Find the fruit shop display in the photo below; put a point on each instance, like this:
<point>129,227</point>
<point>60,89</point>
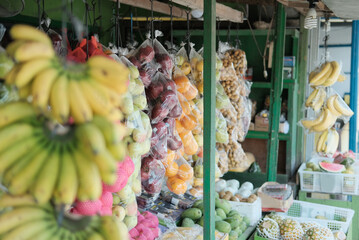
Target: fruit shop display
<point>332,167</point>
<point>231,190</point>
<point>327,105</point>
<point>25,218</point>
<point>77,89</point>
<point>274,226</point>
<point>227,220</point>
<point>155,70</point>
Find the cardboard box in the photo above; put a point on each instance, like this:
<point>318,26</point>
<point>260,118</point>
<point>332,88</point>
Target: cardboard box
<point>261,124</point>
<point>251,126</point>
<point>289,61</point>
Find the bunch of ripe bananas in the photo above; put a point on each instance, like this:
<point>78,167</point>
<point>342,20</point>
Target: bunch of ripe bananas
<point>23,218</point>
<point>80,90</point>
<point>66,164</point>
<point>328,142</point>
<point>329,74</point>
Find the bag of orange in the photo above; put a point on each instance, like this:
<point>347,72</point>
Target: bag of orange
<point>177,185</point>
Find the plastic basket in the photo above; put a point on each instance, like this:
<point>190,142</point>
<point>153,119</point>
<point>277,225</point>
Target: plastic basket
<point>332,217</point>
<point>335,183</point>
<point>251,210</point>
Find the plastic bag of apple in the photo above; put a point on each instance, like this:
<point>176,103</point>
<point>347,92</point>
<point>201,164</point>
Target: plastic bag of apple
<point>147,227</point>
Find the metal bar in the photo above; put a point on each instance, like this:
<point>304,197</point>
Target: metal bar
<point>302,80</point>
<point>209,55</point>
<point>276,92</point>
<point>354,66</point>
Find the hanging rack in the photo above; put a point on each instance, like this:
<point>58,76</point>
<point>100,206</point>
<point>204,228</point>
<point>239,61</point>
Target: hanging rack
<point>152,28</point>
<point>170,4</point>
<point>188,34</point>
<point>326,37</point>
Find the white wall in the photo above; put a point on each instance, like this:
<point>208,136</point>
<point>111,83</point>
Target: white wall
<point>339,36</point>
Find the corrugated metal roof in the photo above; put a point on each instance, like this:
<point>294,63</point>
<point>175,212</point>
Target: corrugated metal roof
<point>348,9</point>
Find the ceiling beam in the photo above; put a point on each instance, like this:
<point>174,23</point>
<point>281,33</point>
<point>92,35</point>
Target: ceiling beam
<point>157,7</point>
<point>251,2</point>
<point>223,12</point>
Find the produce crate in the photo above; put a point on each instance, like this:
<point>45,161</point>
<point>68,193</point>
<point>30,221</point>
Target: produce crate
<point>252,210</point>
<point>336,183</point>
<point>256,237</point>
<point>335,218</point>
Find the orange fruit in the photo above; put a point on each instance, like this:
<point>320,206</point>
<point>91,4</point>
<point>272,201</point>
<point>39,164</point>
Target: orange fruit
<point>186,108</point>
<point>191,92</point>
<point>189,122</point>
<point>199,66</point>
<point>172,169</point>
<point>190,146</point>
<point>200,87</point>
<point>176,185</point>
<point>185,172</point>
<point>182,82</point>
<point>180,152</point>
<point>185,136</point>
<point>179,126</point>
<point>186,68</point>
<point>170,156</point>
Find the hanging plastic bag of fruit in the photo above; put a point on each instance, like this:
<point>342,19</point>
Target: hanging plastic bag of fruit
<point>179,173</point>
<point>222,135</point>
<point>245,119</point>
<point>222,160</point>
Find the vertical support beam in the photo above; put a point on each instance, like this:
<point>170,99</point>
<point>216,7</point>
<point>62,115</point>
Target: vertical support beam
<point>302,81</point>
<point>209,54</point>
<point>276,92</point>
<point>354,86</point>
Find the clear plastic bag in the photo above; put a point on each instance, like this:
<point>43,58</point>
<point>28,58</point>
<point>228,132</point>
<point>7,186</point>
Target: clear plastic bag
<point>221,128</point>
<point>189,142</point>
<point>196,62</point>
<point>179,173</point>
<point>152,173</point>
<point>223,160</point>
<point>237,157</point>
<point>326,74</point>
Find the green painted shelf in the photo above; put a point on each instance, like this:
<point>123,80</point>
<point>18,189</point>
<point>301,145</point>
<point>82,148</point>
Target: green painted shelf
<point>265,135</point>
<point>286,84</point>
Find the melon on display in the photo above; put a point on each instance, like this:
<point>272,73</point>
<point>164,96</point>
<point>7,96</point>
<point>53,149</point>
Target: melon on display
<point>332,167</point>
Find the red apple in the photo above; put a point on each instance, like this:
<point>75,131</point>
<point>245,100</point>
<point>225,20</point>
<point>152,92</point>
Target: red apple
<point>176,111</point>
<point>174,143</point>
<point>145,77</point>
<point>169,99</point>
<point>146,54</point>
<point>154,90</point>
<point>134,61</point>
<point>158,113</point>
<point>159,129</point>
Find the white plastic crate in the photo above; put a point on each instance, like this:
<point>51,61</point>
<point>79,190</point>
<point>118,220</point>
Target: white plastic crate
<point>335,218</point>
<point>325,182</point>
<point>252,210</point>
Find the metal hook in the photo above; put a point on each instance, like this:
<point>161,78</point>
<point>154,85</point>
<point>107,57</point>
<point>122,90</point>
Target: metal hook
<point>188,31</point>
<point>152,28</point>
<point>229,32</point>
<point>326,37</point>
<point>170,4</point>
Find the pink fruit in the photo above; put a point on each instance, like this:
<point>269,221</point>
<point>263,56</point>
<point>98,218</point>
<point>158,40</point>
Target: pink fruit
<point>176,111</point>
<point>154,90</point>
<point>155,231</point>
<point>140,218</point>
<point>106,211</point>
<point>134,233</point>
<point>106,199</point>
<point>148,233</point>
<point>127,165</point>
<point>158,113</point>
<point>88,208</point>
<point>146,54</point>
<point>140,227</point>
<point>147,223</point>
<point>121,181</point>
<point>141,237</point>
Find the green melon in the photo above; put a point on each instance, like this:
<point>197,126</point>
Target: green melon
<point>331,167</point>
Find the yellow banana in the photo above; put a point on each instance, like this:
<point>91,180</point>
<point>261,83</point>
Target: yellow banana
<point>79,107</point>
<point>90,183</point>
<point>45,183</point>
<point>67,184</point>
<point>107,166</point>
<point>322,80</point>
<point>19,216</point>
<point>118,151</point>
<point>22,181</point>
<point>25,92</point>
<point>7,200</point>
<point>320,100</point>
<point>115,115</point>
<point>342,107</point>
<point>332,142</point>
<point>92,138</point>
<point>59,99</point>
<point>14,133</point>
<point>28,70</point>
<point>13,153</point>
<point>15,111</point>
<point>321,141</point>
<point>110,80</point>
<point>13,46</point>
<point>27,230</point>
<point>328,120</point>
<point>98,102</point>
<point>311,97</point>
<point>114,98</point>
<point>11,75</point>
<point>32,50</point>
<point>41,88</point>
<point>47,234</point>
<point>318,77</point>
<point>111,67</point>
<point>310,123</point>
<point>25,32</point>
<point>341,78</point>
<point>334,75</point>
<point>330,105</point>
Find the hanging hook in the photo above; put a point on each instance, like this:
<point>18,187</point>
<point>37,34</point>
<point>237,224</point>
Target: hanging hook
<point>326,37</point>
<point>229,32</point>
<point>188,35</point>
<point>152,28</point>
<point>131,33</point>
<point>170,4</point>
